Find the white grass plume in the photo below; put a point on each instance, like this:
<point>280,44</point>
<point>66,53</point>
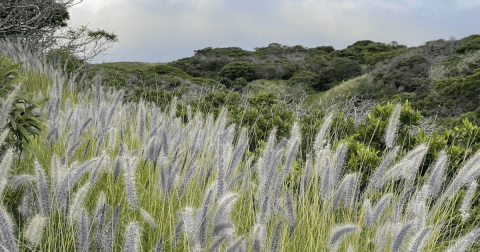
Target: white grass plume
<point>276,237</point>
<point>259,237</point>
<point>148,218</point>
<point>338,233</point>
<point>419,239</point>
<point>381,205</point>
<point>465,241</point>
<point>76,208</point>
<point>5,166</point>
<point>223,226</point>
<point>43,191</point>
<point>467,201</point>
<point>6,231</point>
<point>132,234</point>
<point>381,238</point>
<point>435,178</point>
<point>83,233</point>
<point>7,106</point>
<point>401,236</point>
<point>320,137</point>
<point>35,228</point>
<point>4,135</point>
<point>392,127</point>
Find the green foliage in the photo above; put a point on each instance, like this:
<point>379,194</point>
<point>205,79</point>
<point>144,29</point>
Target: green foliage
<point>406,74</point>
<point>469,44</point>
<point>339,69</point>
<point>24,121</point>
<point>236,70</point>
<point>280,69</point>
<point>65,59</point>
<point>455,95</point>
<point>369,52</point>
<point>307,78</point>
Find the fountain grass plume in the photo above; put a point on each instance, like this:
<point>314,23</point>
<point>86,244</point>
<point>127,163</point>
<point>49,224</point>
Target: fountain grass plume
<point>43,191</point>
<point>259,237</point>
<point>377,175</point>
<point>465,241</point>
<point>148,218</point>
<point>326,180</point>
<point>35,228</point>
<point>276,237</point>
<point>467,200</point>
<point>419,239</point>
<point>291,216</point>
<point>132,235</point>
<point>401,236</point>
<point>5,167</point>
<point>381,238</point>
<point>222,216</point>
<point>397,210</point>
<point>4,135</point>
<point>345,191</point>
<point>200,224</point>
<point>6,231</point>
<point>320,137</point>
<point>435,178</point>
<point>237,245</point>
<point>7,106</point>
<point>338,233</point>
<point>306,174</point>
<point>380,206</point>
<point>26,206</point>
<point>340,154</point>
<point>76,208</point>
<point>129,173</point>
<point>392,127</point>
<point>83,234</point>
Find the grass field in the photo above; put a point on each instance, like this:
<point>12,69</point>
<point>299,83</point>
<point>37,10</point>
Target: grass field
<point>115,176</point>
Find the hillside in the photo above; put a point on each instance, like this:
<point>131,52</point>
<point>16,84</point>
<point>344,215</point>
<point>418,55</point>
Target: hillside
<point>124,168</point>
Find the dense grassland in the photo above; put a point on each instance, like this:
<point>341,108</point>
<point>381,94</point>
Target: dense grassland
<point>112,173</point>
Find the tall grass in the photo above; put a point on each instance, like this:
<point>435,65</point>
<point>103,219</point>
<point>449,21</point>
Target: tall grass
<point>111,176</point>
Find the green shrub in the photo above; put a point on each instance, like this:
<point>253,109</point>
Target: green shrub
<point>338,70</point>
<point>65,59</point>
<point>469,44</point>
<point>236,70</point>
<point>307,78</point>
<point>24,121</point>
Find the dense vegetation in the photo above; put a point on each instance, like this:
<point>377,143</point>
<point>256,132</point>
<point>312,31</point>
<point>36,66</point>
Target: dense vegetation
<point>277,149</point>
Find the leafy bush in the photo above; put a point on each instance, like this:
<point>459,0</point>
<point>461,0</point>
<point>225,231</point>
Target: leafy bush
<point>66,60</point>
<point>469,44</point>
<point>236,70</point>
<point>307,78</point>
<point>407,74</point>
<point>280,69</point>
<point>24,120</point>
<point>338,70</point>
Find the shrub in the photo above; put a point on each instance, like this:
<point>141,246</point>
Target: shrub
<point>338,70</point>
<point>469,44</point>
<point>307,78</point>
<point>236,70</point>
<point>24,121</point>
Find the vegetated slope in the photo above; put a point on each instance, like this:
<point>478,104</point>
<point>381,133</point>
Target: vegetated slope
<point>130,176</point>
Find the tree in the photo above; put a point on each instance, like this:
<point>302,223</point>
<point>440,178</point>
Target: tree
<point>33,21</point>
<point>42,24</point>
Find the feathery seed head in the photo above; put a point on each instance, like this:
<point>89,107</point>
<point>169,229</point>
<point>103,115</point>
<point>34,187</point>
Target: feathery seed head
<point>35,228</point>
<point>338,233</point>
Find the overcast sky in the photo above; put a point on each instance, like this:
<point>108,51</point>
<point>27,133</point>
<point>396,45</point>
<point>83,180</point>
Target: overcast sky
<point>167,30</point>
